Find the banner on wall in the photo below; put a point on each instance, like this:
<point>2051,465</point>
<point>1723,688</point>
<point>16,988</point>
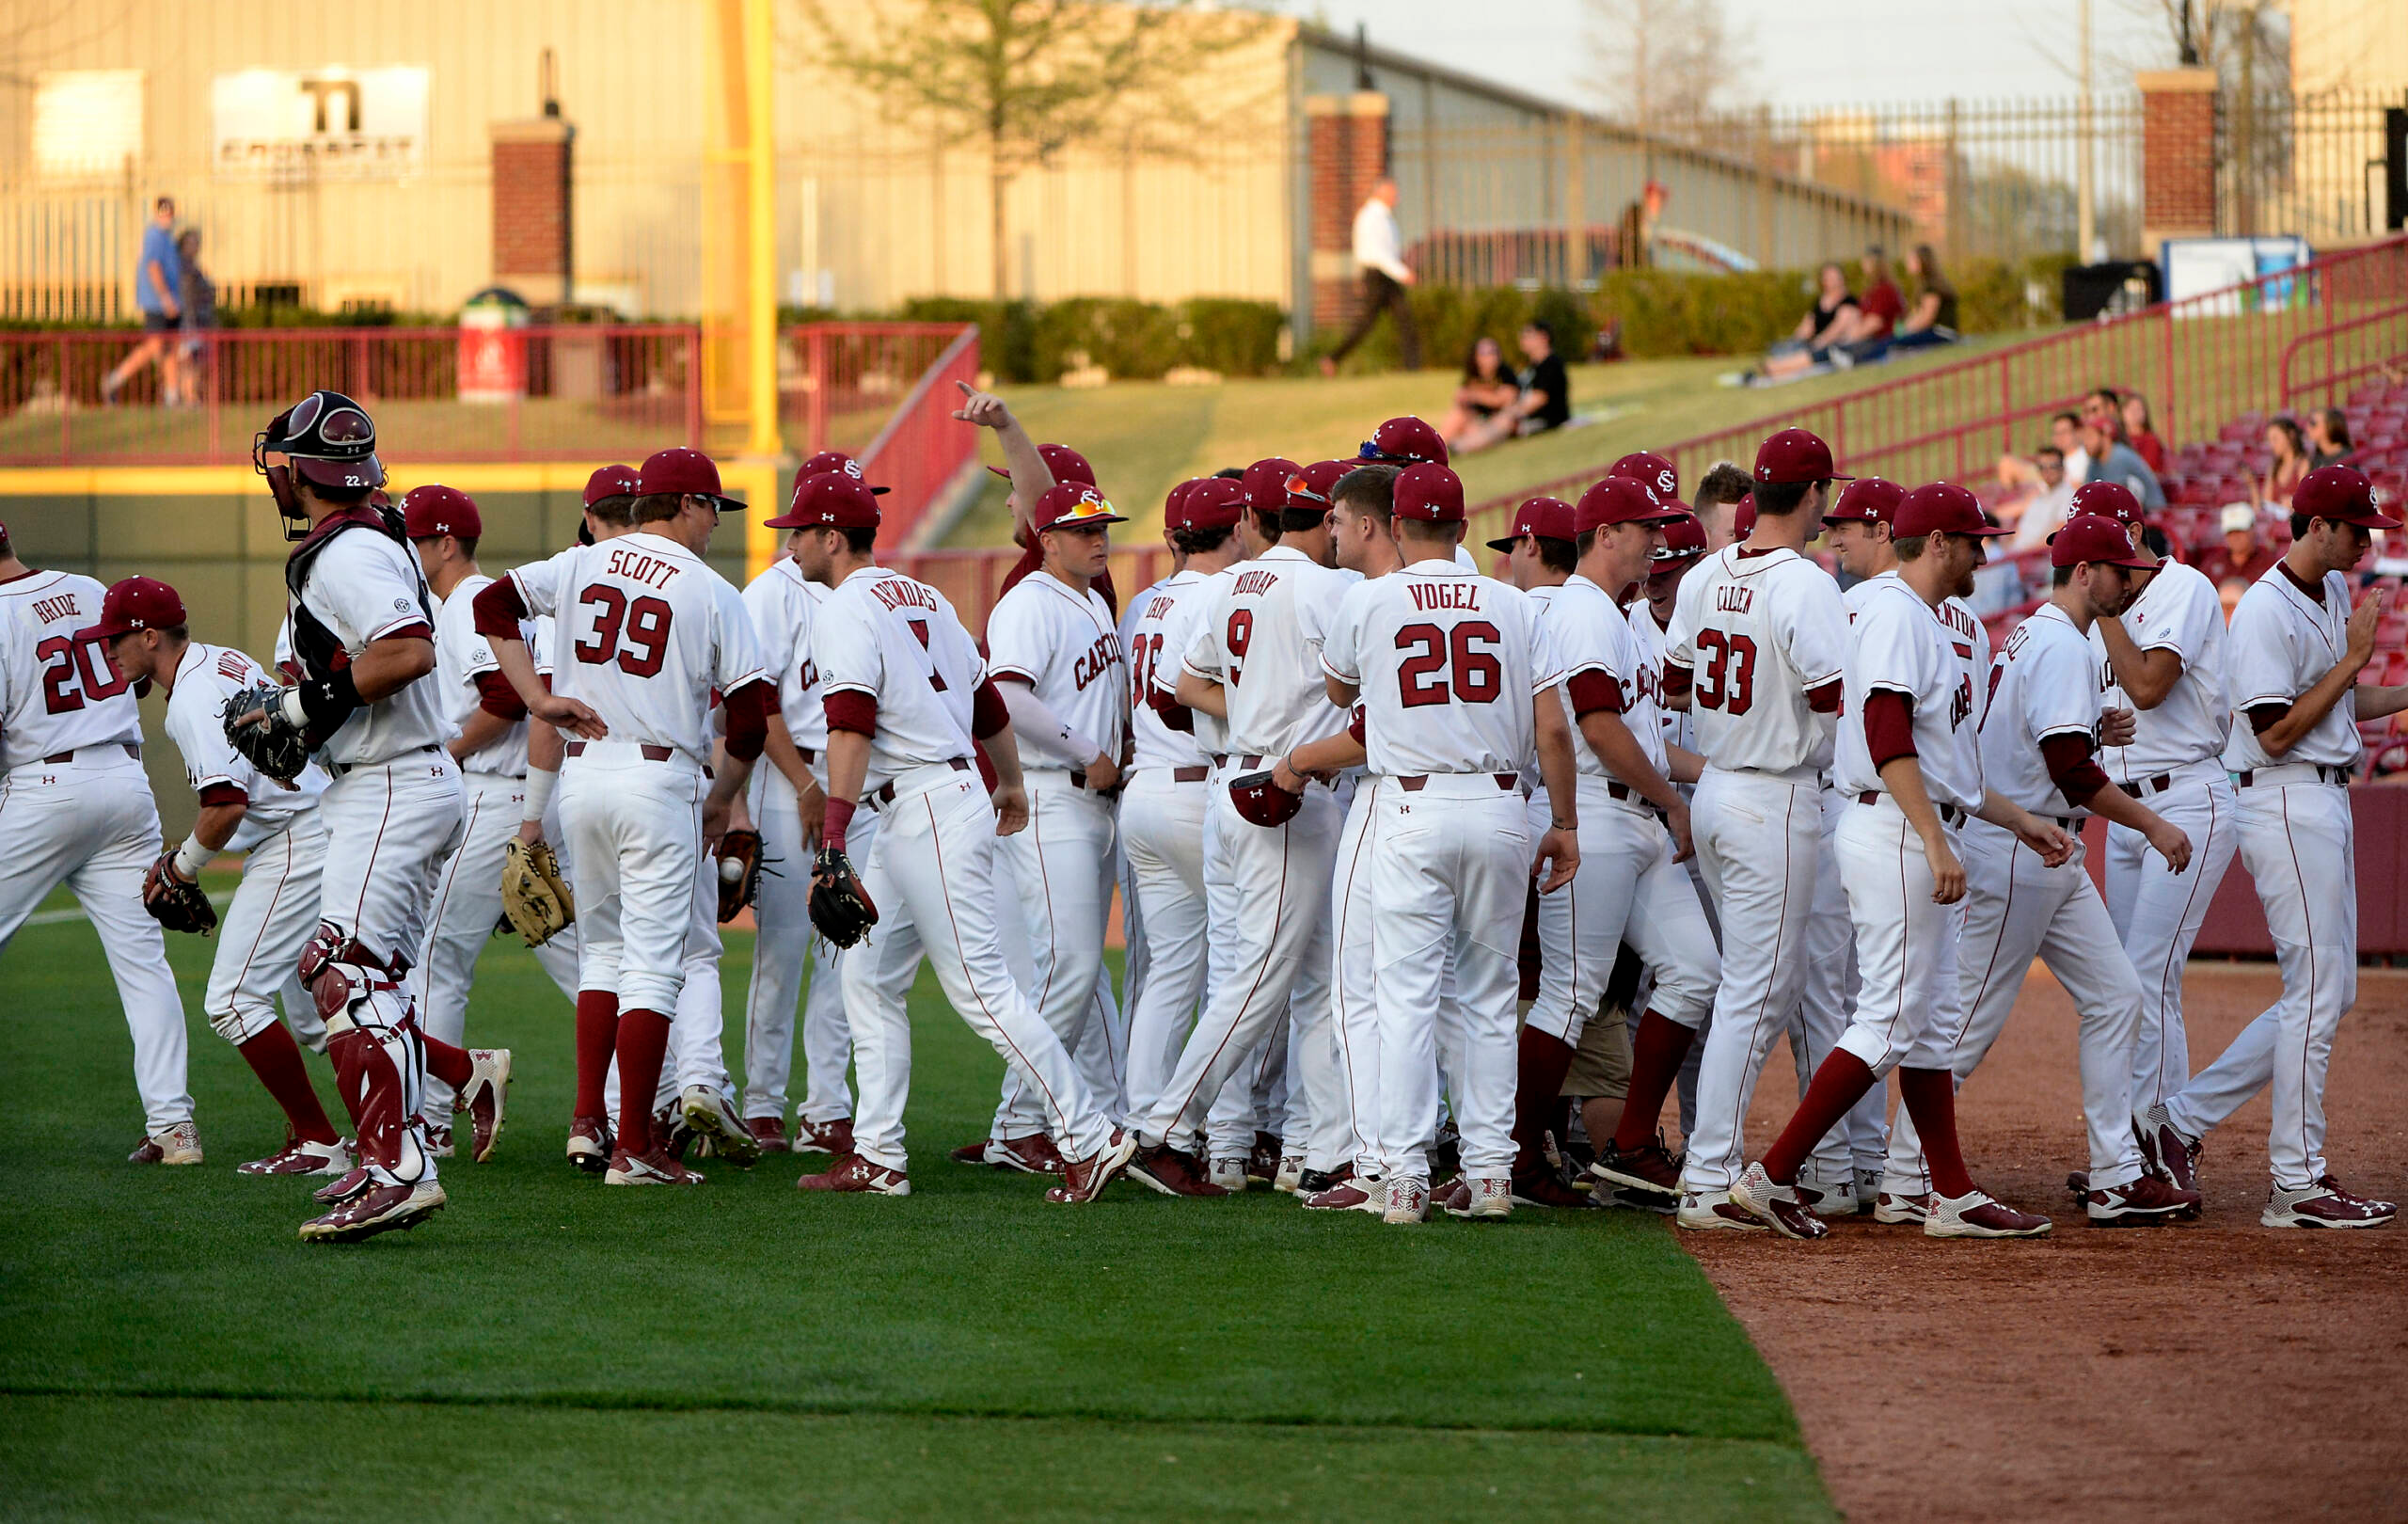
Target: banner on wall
<point>319,124</point>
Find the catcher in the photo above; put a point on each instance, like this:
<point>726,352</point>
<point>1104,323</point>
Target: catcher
<point>242,810</point>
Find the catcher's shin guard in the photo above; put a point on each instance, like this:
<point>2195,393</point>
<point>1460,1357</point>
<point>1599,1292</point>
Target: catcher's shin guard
<point>380,1061</point>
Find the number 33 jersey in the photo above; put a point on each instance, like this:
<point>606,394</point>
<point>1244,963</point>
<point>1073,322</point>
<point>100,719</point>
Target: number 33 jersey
<point>644,632</point>
<point>1446,662</point>
<point>1756,632</point>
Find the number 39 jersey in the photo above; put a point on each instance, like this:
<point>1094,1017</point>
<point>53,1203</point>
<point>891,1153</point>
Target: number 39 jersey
<point>1446,662</point>
<point>57,693</point>
<point>643,632</point>
<point>1756,631</point>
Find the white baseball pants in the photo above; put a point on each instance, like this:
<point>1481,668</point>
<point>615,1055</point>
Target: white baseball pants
<point>260,940</point>
<point>2017,907</point>
<point>932,876</point>
<point>1162,834</point>
<point>2157,913</point>
<point>699,1025</point>
<point>1862,1139</point>
<point>2297,841</point>
<point>1906,949</point>
<point>1628,889</point>
<point>91,825</point>
<point>784,938</point>
<point>1062,867</point>
<point>391,826</point>
<point>634,833</point>
<point>1451,866</point>
<point>1759,840</point>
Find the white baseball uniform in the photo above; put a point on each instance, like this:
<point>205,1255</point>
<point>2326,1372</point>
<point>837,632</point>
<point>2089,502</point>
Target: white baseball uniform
<point>2298,841</point>
<point>75,808</point>
<point>1059,646</point>
<point>1755,635</point>
<point>2175,766</point>
<point>932,871</point>
<point>2044,685</point>
<point>1446,663</point>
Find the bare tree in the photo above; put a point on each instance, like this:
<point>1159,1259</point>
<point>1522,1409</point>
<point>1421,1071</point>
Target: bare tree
<point>1662,66</point>
<point>1029,79</point>
<point>2247,43</point>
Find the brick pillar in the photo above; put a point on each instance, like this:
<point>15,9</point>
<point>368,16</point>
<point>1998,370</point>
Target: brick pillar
<point>1348,139</point>
<point>2177,155</point>
<point>532,184</point>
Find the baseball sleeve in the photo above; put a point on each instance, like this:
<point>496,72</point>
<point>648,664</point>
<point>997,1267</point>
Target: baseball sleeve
<point>2259,664</point>
<point>845,646</point>
<point>193,724</point>
<point>1811,620</point>
<point>539,584</point>
<point>2180,620</point>
<point>1204,656</point>
<point>2059,696</point>
<point>1547,662</point>
<point>363,591</point>
<point>1019,639</point>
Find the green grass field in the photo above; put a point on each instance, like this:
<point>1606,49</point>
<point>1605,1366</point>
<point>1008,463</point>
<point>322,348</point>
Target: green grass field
<point>549,1348</point>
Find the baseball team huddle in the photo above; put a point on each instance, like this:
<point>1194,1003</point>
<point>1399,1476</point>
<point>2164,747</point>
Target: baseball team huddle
<point>1435,887</point>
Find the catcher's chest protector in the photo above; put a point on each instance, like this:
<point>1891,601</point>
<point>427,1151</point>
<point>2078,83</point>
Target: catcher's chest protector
<point>318,649</point>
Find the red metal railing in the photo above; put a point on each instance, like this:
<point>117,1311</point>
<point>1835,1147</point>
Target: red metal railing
<point>922,452</point>
<point>847,378</point>
<point>972,580</point>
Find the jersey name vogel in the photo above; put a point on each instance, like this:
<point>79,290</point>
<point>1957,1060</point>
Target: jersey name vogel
<point>1429,596</point>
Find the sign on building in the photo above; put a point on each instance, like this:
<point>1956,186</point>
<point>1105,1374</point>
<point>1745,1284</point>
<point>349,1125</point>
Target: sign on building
<point>321,124</point>
<point>87,122</point>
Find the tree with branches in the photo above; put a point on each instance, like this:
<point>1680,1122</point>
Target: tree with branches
<point>1030,79</point>
<point>1662,66</point>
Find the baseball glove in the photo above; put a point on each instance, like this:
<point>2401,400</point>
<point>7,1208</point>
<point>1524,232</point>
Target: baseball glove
<point>840,907</point>
<point>273,746</point>
<point>176,903</point>
<point>739,872</point>
<point>534,899</point>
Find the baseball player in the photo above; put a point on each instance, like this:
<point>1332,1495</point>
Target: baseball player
<point>906,695</point>
<point>1441,660</point>
<point>1908,758</point>
<point>646,632</point>
<point>363,635</point>
<point>1754,653</point>
<point>1635,831</point>
<point>274,825</point>
<point>2162,658</point>
<point>75,808</point>
<point>1254,661</point>
<point>2294,657</point>
<point>2036,737</point>
<point>1029,469</point>
<point>444,525</point>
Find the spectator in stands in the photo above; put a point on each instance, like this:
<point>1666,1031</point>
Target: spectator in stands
<point>1635,235</point>
<point>1719,492</point>
<point>1379,249</point>
<point>1830,321</point>
<point>2111,460</point>
<point>2140,432</point>
<point>1544,399</point>
<point>158,281</point>
<point>2036,511</point>
<point>1933,318</point>
<point>1878,314</point>
<point>2243,558</point>
<point>199,300</point>
<point>2287,452</point>
<point>2328,438</point>
<point>1487,388</point>
<point>2021,476</point>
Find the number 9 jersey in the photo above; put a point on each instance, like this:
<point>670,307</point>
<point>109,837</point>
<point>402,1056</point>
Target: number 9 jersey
<point>1754,635</point>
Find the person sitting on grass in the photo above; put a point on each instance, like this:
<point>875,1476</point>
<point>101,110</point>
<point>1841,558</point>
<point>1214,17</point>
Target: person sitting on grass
<point>1933,318</point>
<point>1487,388</point>
<point>1544,403</point>
<point>1878,314</point>
<point>1830,321</point>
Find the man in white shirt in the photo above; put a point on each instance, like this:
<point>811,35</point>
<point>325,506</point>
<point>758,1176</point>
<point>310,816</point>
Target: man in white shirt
<point>1379,249</point>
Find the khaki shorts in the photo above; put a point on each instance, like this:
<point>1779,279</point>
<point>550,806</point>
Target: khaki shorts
<point>1601,1064</point>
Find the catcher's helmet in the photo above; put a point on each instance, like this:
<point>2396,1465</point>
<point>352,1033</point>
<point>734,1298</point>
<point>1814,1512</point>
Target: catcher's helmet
<point>327,441</point>
<point>1263,802</point>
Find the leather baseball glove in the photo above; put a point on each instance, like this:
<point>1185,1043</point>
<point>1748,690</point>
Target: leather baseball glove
<point>176,902</point>
<point>739,871</point>
<point>274,747</point>
<point>534,899</point>
<point>840,907</point>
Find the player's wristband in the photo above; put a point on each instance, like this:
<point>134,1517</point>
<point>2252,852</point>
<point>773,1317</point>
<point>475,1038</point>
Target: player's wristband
<point>324,703</point>
<point>833,822</point>
<point>192,856</point>
<point>540,785</point>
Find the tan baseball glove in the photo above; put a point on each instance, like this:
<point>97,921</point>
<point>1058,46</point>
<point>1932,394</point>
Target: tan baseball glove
<point>534,899</point>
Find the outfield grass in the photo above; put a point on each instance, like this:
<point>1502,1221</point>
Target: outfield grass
<point>549,1348</point>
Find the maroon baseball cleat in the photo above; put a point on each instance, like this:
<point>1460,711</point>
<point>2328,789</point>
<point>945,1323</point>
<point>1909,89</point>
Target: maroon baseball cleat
<point>1351,1195</point>
<point>659,1168</point>
<point>970,1153</point>
<point>1083,1180</point>
<point>591,1140</point>
<point>854,1175</point>
<point>2325,1204</point>
<point>1543,1187</point>
<point>484,1099</point>
<point>1262,1160</point>
<point>350,1184</point>
<point>770,1132</point>
<point>299,1158</point>
<point>1650,1167</point>
<point>1171,1172</point>
<point>1031,1155</point>
<point>1454,1197</point>
<point>2144,1202</point>
<point>2171,1156</point>
<point>380,1209</point>
<point>832,1138</point>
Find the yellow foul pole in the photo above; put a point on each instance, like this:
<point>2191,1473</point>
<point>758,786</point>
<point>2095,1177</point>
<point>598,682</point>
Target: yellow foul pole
<point>740,231</point>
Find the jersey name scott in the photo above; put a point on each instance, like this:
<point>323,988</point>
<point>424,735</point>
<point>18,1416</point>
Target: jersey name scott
<point>636,567</point>
<point>1463,594</point>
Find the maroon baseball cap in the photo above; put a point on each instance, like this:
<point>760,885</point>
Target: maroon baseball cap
<point>688,473</point>
<point>2106,499</point>
<point>1551,519</point>
<point>1940,508</point>
<point>2340,492</point>
<point>1265,484</point>
<point>1073,505</point>
<point>1620,499</point>
<point>1868,500</point>
<point>1173,515</point>
<point>1065,464</point>
<point>611,482</point>
<point>1653,469</point>
<point>430,510</point>
<point>1794,455</point>
<point>1743,517</point>
<point>1430,494</point>
<point>2095,537</point>
<point>1320,479</point>
<point>1406,442</point>
<point>836,460</point>
<point>1211,502</point>
<point>829,499</point>
<point>135,603</point>
<point>1683,540</point>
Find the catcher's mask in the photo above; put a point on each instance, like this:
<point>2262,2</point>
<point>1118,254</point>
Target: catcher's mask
<point>327,441</point>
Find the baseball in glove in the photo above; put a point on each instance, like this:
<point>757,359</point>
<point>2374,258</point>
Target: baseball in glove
<point>174,901</point>
<point>534,899</point>
<point>840,907</point>
<point>739,871</point>
<point>274,745</point>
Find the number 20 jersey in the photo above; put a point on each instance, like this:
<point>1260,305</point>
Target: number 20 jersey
<point>1757,631</point>
<point>644,632</point>
<point>57,695</point>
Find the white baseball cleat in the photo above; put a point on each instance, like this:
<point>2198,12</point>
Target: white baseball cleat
<point>1901,1207</point>
<point>1291,1174</point>
<point>1979,1214</point>
<point>709,1116</point>
<point>2325,1204</point>
<point>1827,1199</point>
<point>1778,1207</point>
<point>1700,1214</point>
<point>659,1168</point>
<point>178,1145</point>
<point>1407,1201</point>
<point>1480,1196</point>
<point>1228,1174</point>
<point>484,1098</point>
<point>298,1157</point>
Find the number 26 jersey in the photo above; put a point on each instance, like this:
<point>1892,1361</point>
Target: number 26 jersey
<point>1756,632</point>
